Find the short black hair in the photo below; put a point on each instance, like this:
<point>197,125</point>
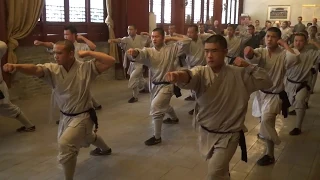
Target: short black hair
<point>267,21</point>
<point>276,30</point>
<point>194,26</point>
<point>300,17</point>
<point>134,27</point>
<point>303,33</point>
<point>251,26</point>
<point>160,31</point>
<point>71,28</point>
<point>232,26</point>
<point>218,39</point>
<point>68,45</point>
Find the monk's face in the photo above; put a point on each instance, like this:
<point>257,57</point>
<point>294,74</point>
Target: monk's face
<point>192,33</point>
<point>215,55</point>
<point>299,42</point>
<point>230,31</point>
<point>132,31</point>
<point>61,55</point>
<point>68,35</point>
<point>271,39</point>
<point>172,30</point>
<point>313,31</point>
<point>157,39</point>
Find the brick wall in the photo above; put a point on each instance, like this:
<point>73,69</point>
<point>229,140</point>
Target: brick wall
<point>27,86</point>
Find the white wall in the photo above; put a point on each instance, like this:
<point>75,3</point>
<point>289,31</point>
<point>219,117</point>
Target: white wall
<point>257,9</point>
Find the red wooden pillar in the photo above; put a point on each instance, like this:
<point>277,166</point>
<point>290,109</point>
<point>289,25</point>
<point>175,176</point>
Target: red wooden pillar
<point>177,13</point>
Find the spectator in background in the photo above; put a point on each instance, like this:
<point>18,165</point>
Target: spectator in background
<point>299,27</point>
<point>257,26</point>
<point>217,28</point>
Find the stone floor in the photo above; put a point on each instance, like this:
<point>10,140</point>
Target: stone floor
<point>125,127</point>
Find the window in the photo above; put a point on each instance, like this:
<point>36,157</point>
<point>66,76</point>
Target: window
<point>157,10</point>
<point>188,12</point>
<point>230,12</point>
<point>162,10</point>
<point>167,11</point>
<point>96,11</point>
<point>77,10</point>
<point>199,10</point>
<point>55,10</point>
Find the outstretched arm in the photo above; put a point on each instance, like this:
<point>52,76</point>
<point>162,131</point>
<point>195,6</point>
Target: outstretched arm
<point>28,69</point>
<point>45,44</point>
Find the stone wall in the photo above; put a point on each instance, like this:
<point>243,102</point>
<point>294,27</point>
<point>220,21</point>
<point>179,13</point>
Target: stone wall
<point>27,86</point>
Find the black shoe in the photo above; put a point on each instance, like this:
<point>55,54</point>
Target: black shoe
<point>191,112</point>
<point>170,121</point>
<point>265,160</point>
<point>57,122</point>
<point>189,98</point>
<point>152,141</point>
<point>98,107</point>
<point>292,113</point>
<point>99,152</point>
<point>24,129</point>
<point>307,105</point>
<point>143,91</point>
<point>295,131</point>
<point>133,100</point>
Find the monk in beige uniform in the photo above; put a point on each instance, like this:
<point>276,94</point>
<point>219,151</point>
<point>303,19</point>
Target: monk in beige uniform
<point>299,77</point>
<point>269,102</point>
<point>70,80</point>
<point>221,111</point>
<point>135,70</point>
<point>7,109</point>
<point>70,33</point>
<point>161,59</point>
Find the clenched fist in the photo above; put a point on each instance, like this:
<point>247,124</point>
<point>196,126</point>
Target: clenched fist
<point>9,68</point>
<point>282,43</point>
<point>248,52</point>
<point>172,77</point>
<point>132,52</point>
<point>37,43</point>
<point>240,62</point>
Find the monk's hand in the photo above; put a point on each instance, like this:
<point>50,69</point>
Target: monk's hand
<point>9,68</point>
<point>110,41</point>
<point>248,52</point>
<point>36,42</point>
<point>132,52</point>
<point>240,62</point>
<point>282,43</point>
<point>80,37</point>
<point>172,77</point>
<point>83,54</point>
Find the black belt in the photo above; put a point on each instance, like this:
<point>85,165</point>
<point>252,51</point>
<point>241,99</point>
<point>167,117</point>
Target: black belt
<point>302,84</point>
<point>92,113</point>
<point>176,89</point>
<point>285,101</point>
<point>313,70</point>
<point>231,59</point>
<point>242,142</point>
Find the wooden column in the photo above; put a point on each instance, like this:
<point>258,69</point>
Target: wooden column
<point>138,14</point>
<point>177,13</point>
<point>218,8</point>
<point>4,37</point>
